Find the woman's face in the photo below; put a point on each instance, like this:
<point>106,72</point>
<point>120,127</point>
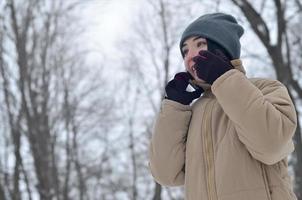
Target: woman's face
<point>190,49</point>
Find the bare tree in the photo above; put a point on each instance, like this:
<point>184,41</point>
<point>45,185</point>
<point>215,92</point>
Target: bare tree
<point>2,190</point>
<point>51,100</point>
<point>14,122</point>
<point>34,84</point>
<point>153,57</point>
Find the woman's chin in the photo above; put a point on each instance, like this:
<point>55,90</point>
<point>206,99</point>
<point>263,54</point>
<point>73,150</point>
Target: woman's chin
<point>198,79</point>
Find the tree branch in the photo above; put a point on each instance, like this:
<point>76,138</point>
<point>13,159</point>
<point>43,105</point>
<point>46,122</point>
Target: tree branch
<point>256,21</point>
<point>280,22</point>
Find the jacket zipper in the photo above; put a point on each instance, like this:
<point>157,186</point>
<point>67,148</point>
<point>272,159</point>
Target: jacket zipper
<point>267,190</point>
<point>208,152</point>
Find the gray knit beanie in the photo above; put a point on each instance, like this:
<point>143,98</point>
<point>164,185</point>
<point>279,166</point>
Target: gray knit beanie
<point>219,27</point>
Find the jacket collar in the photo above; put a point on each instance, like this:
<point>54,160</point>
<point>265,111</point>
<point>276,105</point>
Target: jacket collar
<point>237,64</point>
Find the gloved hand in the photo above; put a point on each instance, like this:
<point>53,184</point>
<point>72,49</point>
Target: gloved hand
<point>176,89</point>
<point>210,66</point>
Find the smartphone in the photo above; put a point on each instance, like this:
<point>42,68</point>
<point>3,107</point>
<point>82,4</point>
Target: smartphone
<point>192,84</point>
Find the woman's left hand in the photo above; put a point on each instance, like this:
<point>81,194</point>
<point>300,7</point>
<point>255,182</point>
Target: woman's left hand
<point>210,66</point>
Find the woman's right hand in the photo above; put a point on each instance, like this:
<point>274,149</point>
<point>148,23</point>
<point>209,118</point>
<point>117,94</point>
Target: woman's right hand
<point>176,89</point>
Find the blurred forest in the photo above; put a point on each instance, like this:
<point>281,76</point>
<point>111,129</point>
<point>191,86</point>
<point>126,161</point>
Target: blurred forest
<point>69,131</point>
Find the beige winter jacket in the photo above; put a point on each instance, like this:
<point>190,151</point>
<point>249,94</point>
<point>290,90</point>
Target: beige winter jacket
<point>231,144</point>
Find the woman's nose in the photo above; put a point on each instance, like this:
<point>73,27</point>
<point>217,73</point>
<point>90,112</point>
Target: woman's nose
<point>192,53</point>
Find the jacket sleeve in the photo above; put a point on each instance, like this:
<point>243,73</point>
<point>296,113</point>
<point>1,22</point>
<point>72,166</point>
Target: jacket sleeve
<point>264,116</point>
<point>167,146</point>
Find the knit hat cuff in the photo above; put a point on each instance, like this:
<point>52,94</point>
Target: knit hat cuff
<point>218,27</point>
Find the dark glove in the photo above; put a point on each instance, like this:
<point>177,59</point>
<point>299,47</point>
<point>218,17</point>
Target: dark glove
<point>176,89</point>
<point>210,66</point>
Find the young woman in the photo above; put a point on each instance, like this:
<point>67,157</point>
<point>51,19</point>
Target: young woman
<point>232,143</point>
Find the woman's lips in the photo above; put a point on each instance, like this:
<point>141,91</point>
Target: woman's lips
<point>193,69</point>
<point>193,72</point>
<point>195,75</point>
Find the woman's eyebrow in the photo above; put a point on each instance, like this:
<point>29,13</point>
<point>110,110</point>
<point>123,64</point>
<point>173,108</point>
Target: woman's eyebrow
<point>195,38</point>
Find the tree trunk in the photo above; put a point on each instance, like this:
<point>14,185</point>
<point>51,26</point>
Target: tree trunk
<point>157,192</point>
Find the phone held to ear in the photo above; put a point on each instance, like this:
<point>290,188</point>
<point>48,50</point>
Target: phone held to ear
<point>191,87</point>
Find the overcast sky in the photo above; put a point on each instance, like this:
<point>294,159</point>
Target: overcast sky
<point>107,21</point>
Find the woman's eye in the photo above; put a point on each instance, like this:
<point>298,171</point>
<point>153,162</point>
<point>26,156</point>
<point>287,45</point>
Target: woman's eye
<point>201,43</point>
<point>185,52</point>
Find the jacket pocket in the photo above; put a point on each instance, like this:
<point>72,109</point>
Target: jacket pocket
<point>265,180</point>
